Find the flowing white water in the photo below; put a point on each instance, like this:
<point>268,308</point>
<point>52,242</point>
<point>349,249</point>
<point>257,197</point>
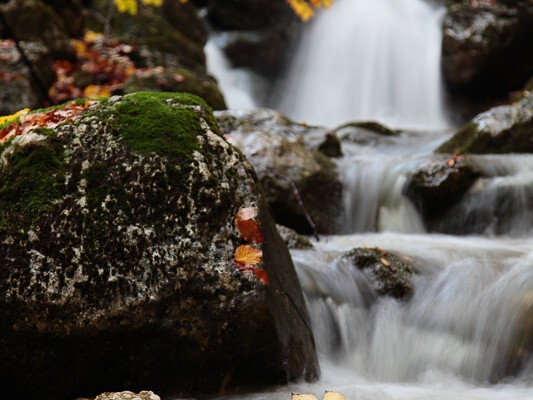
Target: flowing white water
<point>236,84</point>
<point>467,331</point>
<point>362,60</point>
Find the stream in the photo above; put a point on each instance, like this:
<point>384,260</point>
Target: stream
<point>466,332</point>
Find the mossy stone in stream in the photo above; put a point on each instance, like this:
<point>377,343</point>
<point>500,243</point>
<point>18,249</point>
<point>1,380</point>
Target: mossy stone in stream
<point>388,274</point>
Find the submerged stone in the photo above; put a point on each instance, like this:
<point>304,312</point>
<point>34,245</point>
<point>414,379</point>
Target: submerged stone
<point>387,273</point>
<point>117,247</point>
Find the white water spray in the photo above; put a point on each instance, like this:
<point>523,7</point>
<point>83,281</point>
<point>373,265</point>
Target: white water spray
<point>369,60</point>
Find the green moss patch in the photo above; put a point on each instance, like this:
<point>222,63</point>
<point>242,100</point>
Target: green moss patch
<point>30,183</point>
<point>161,123</point>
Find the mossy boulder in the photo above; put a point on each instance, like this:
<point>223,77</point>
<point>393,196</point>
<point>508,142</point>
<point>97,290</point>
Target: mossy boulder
<point>178,80</point>
<point>288,168</point>
<point>486,50</point>
<point>34,20</point>
<point>161,35</point>
<point>117,246</point>
<point>387,273</point>
<point>437,185</point>
<point>503,129</point>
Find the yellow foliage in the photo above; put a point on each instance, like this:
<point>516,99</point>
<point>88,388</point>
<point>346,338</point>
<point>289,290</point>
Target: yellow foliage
<point>155,3</point>
<point>304,8</point>
<point>129,6</point>
<point>8,118</point>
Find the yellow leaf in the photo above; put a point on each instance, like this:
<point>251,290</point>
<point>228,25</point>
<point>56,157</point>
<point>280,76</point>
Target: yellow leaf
<point>303,397</point>
<point>333,396</point>
<point>302,9</point>
<point>91,36</point>
<point>96,91</point>
<point>129,6</point>
<point>249,255</point>
<point>156,3</point>
<point>11,117</point>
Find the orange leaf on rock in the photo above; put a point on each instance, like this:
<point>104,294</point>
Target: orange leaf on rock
<point>246,221</point>
<point>247,254</point>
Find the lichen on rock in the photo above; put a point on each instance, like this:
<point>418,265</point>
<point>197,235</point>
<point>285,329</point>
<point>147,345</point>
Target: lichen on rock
<point>126,260</point>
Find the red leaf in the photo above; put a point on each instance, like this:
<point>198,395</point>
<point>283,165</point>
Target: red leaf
<point>259,273</point>
<point>246,221</point>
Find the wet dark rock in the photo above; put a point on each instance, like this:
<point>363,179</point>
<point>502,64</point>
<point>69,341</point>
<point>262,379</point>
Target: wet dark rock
<point>178,80</point>
<point>161,35</point>
<point>437,185</point>
<point>487,50</point>
<point>261,32</point>
<point>503,129</point>
<point>293,239</point>
<point>71,13</point>
<point>364,133</point>
<point>331,146</point>
<point>117,246</point>
<point>287,168</point>
<point>35,21</point>
<point>18,88</point>
<point>388,274</point>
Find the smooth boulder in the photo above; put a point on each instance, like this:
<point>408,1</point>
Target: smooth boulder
<point>301,185</point>
<point>437,185</point>
<point>503,129</point>
<point>118,268</point>
<point>486,49</point>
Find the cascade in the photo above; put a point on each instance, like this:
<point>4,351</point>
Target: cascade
<point>466,332</point>
<point>369,60</point>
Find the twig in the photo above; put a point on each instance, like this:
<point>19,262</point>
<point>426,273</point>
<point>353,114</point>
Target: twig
<point>26,60</point>
<point>298,199</point>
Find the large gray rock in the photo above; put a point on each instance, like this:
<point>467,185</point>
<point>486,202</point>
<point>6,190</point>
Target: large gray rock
<point>117,247</point>
<point>487,49</point>
<point>503,129</point>
<point>34,20</point>
<point>437,185</point>
<point>288,168</point>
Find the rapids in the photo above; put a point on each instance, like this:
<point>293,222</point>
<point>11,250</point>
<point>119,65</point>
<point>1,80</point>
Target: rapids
<point>467,331</point>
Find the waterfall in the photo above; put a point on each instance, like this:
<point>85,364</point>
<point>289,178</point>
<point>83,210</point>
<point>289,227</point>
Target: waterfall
<point>236,84</point>
<point>369,60</point>
<point>375,177</point>
<point>467,330</point>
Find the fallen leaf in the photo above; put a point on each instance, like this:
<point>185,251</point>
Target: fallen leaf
<point>303,396</point>
<point>11,117</point>
<point>246,221</point>
<point>333,396</point>
<point>385,262</point>
<point>247,254</point>
<point>260,273</point>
